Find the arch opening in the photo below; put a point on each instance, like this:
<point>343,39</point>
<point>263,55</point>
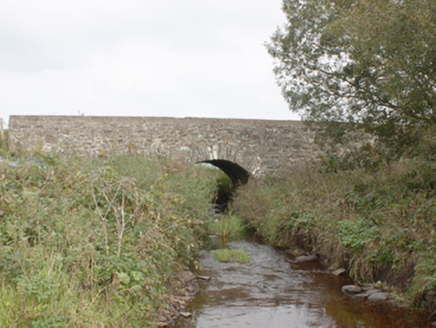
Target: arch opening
<point>237,174</point>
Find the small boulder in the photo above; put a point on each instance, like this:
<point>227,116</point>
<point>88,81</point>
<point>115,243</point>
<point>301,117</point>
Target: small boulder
<point>307,258</point>
<point>367,292</point>
<point>373,291</point>
<point>351,289</point>
<point>382,296</point>
<point>186,314</point>
<point>185,276</point>
<point>361,295</point>
<point>366,287</point>
<point>338,272</point>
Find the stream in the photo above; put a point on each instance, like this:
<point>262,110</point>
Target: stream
<point>271,291</point>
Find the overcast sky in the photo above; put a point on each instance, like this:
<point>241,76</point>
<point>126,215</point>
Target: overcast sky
<point>191,58</point>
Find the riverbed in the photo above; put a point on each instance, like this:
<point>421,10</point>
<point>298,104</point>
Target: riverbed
<point>272,291</point>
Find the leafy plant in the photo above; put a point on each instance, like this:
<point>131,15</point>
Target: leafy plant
<point>377,224</point>
<point>355,234</point>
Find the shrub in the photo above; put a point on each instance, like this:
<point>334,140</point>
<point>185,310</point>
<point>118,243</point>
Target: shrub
<point>87,243</point>
<point>377,224</point>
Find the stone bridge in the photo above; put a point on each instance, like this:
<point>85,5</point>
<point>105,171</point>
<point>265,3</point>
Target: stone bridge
<point>241,148</point>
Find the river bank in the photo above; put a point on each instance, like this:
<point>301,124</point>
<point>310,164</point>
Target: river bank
<point>101,242</point>
<point>92,243</point>
<point>379,226</point>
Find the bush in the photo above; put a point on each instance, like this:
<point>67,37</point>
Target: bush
<point>87,243</point>
<point>376,224</point>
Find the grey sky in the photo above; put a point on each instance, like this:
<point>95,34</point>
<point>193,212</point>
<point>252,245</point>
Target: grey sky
<point>191,58</point>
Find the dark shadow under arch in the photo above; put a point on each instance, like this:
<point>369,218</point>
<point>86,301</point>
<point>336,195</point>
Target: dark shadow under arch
<point>236,173</point>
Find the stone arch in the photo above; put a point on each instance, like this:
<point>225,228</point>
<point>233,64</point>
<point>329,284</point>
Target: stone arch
<point>235,172</point>
<point>238,163</point>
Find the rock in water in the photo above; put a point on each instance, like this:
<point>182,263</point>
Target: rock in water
<point>351,289</point>
<point>307,258</point>
<point>379,296</point>
<point>185,276</point>
<point>338,272</point>
<point>185,314</point>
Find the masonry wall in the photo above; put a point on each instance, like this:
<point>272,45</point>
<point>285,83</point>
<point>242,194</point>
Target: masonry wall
<point>259,146</point>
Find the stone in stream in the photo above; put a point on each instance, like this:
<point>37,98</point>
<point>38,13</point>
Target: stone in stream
<point>367,292</point>
<point>186,314</point>
<point>185,276</point>
<point>307,258</point>
<point>373,291</point>
<point>351,289</point>
<point>338,272</point>
<point>382,296</point>
<point>361,295</point>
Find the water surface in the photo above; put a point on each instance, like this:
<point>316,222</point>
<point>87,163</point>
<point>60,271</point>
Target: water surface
<point>270,291</point>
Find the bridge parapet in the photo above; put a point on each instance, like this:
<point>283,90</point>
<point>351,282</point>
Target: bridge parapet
<point>258,146</point>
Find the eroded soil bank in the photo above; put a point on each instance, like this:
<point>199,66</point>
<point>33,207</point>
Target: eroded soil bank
<point>272,291</point>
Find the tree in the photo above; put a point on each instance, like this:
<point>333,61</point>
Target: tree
<point>370,63</point>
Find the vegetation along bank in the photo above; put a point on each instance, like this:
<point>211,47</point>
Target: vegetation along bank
<point>93,243</point>
<point>361,73</point>
<point>378,225</point>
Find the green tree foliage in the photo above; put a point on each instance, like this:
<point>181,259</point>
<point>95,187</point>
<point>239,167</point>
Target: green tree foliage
<point>371,63</point>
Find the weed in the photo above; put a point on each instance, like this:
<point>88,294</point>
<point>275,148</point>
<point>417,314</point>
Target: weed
<point>231,255</point>
<point>4,145</point>
<point>227,226</point>
<point>377,223</point>
<point>88,243</point>
<point>355,234</point>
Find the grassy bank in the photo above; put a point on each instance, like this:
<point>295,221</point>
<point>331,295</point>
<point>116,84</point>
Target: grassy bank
<point>97,243</point>
<point>379,226</point>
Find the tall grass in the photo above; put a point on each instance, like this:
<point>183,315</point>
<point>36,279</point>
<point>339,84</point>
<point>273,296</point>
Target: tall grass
<point>226,226</point>
<point>379,225</point>
<point>96,243</point>
<point>4,145</point>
